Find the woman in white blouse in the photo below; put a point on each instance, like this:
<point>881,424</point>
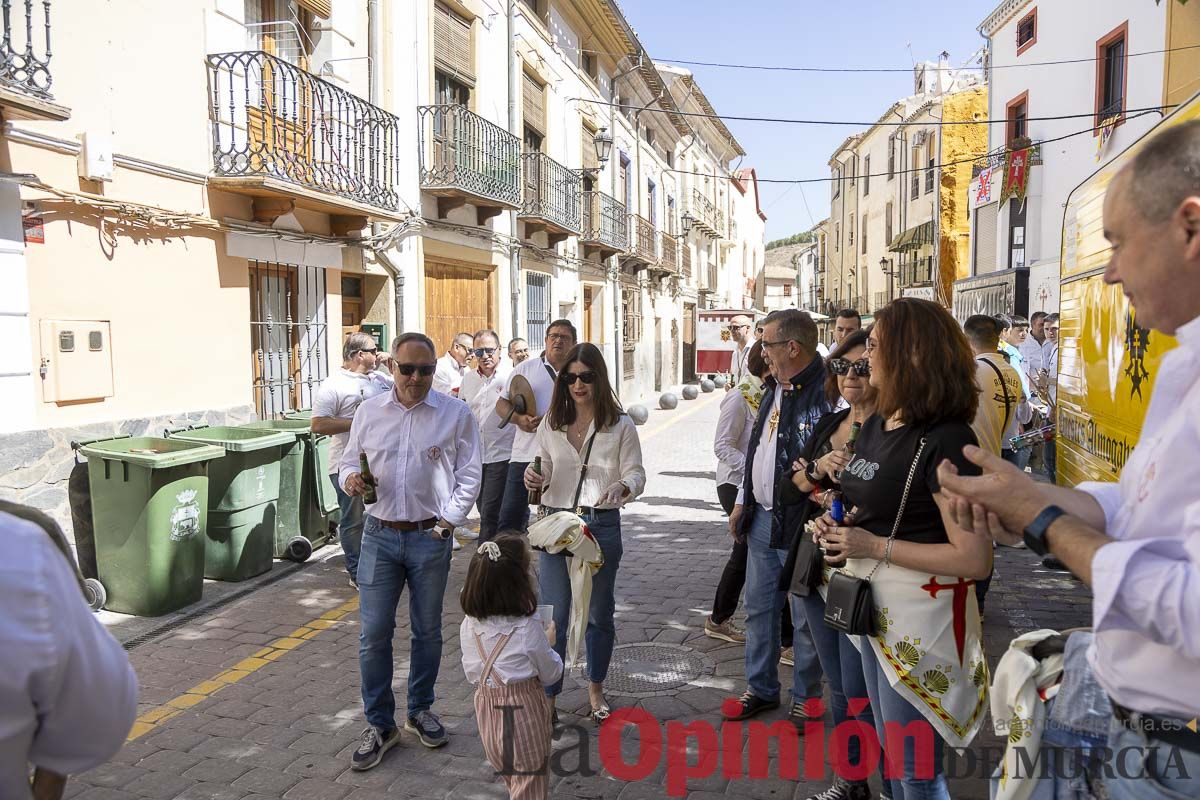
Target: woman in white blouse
<point>585,423</point>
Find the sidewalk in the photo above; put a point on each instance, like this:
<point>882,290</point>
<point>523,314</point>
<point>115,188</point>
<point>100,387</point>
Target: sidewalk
<point>260,698</point>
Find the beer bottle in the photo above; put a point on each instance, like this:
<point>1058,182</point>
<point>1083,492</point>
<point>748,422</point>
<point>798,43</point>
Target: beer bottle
<point>535,495</point>
<point>364,470</point>
<point>851,441</point>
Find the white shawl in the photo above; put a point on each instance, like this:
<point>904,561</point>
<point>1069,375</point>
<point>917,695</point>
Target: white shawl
<point>564,531</point>
<point>1021,686</point>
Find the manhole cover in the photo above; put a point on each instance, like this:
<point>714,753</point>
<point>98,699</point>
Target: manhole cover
<point>648,669</point>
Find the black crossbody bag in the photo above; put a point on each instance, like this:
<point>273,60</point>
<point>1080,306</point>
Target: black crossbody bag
<point>849,605</point>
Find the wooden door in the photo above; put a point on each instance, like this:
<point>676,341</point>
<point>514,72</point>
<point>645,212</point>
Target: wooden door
<point>459,297</point>
<point>352,312</point>
<point>589,333</point>
<point>689,342</point>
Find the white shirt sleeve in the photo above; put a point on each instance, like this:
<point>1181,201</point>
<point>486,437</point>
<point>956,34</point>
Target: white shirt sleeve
<point>85,695</point>
<point>731,423</point>
<point>633,474</point>
<point>468,470</point>
<point>349,463</point>
<point>545,661</point>
<point>542,440</point>
<point>325,402</point>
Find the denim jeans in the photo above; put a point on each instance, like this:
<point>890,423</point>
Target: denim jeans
<point>389,559</point>
<point>514,508</point>
<point>1148,769</point>
<point>350,526</point>
<point>1051,458</point>
<point>491,495</point>
<point>554,586</point>
<point>764,600</point>
<point>889,706</point>
<point>733,577</point>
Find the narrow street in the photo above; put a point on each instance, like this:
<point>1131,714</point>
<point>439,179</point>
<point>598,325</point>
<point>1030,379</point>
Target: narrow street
<point>259,697</point>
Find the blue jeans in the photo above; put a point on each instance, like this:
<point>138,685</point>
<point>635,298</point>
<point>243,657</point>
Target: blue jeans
<point>350,526</point>
<point>491,495</point>
<point>842,664</point>
<point>1148,770</point>
<point>554,586</point>
<point>1051,459</point>
<point>889,706</point>
<point>764,602</point>
<point>514,509</point>
<point>388,560</point>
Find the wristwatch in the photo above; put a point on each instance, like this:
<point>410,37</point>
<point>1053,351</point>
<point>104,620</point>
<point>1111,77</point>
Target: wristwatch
<point>810,473</point>
<point>1035,532</point>
<point>442,532</point>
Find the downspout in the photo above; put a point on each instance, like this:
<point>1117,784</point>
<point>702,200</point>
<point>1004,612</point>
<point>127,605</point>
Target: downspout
<point>618,349</point>
<point>514,127</point>
<point>374,95</point>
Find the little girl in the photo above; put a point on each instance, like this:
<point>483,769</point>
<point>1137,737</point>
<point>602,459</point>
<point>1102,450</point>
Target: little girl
<point>508,655</point>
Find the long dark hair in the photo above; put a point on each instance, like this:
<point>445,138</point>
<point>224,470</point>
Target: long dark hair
<point>607,407</point>
<point>929,367</point>
<point>500,588</point>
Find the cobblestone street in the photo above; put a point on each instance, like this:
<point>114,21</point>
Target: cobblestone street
<point>258,697</point>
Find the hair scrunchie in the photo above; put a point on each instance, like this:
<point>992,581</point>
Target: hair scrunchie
<point>491,550</point>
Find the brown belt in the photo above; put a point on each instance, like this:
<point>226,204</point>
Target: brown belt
<point>405,527</point>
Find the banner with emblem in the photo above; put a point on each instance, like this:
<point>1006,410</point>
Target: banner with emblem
<point>984,195</point>
<point>1015,180</point>
<point>1105,134</point>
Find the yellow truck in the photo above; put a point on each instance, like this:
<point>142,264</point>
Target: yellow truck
<point>1107,363</point>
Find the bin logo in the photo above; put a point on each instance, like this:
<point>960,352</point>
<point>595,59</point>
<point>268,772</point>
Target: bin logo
<point>261,489</point>
<point>185,517</point>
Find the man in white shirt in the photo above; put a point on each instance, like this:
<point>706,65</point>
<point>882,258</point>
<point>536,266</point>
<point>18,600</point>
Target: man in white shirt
<point>1002,404</point>
<point>423,451</point>
<point>333,409</point>
<point>542,373</point>
<point>1031,348</point>
<point>1135,543</point>
<point>481,389</point>
<point>453,365</point>
<point>68,695</point>
<point>1047,382</point>
<point>518,351</point>
<point>741,331</point>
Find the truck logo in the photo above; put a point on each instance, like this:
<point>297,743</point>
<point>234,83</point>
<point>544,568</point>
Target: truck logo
<point>185,516</point>
<point>1137,343</point>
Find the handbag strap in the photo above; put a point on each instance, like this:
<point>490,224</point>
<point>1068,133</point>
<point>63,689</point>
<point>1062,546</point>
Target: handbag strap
<point>1004,388</point>
<point>903,498</point>
<point>587,454</point>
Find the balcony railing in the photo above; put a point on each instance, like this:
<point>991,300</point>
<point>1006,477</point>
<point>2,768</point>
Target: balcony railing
<point>464,154</point>
<point>995,159</point>
<point>642,239</point>
<point>273,120</point>
<point>551,196</point>
<point>670,252</point>
<point>24,65</point>
<point>687,260</point>
<point>708,219</point>
<point>920,272</point>
<point>605,223</point>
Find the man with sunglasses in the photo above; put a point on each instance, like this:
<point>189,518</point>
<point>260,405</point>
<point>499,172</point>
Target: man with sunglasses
<point>333,410</point>
<point>480,390</point>
<point>452,367</point>
<point>541,373</point>
<point>741,330</point>
<point>424,453</point>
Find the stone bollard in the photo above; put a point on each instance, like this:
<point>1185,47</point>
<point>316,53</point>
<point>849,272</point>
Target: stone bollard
<point>690,392</point>
<point>707,386</point>
<point>667,401</point>
<point>639,414</point>
<point>719,381</point>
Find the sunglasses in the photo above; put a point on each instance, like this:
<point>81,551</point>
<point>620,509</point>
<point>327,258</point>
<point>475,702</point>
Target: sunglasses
<point>569,378</point>
<point>425,370</point>
<point>372,351</point>
<point>481,352</point>
<point>842,366</point>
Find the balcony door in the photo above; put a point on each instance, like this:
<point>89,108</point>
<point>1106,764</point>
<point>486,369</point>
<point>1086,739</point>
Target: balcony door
<point>279,119</point>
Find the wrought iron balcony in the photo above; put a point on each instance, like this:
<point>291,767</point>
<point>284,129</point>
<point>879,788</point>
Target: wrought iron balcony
<point>551,198</point>
<point>643,240</point>
<point>605,224</point>
<point>709,220</point>
<point>687,259</point>
<point>466,159</point>
<point>25,77</point>
<point>279,131</point>
<point>670,253</point>
<point>918,273</point>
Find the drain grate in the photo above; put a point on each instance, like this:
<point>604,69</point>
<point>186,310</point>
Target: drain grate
<point>647,669</point>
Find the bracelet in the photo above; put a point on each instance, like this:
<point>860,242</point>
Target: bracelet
<point>887,552</point>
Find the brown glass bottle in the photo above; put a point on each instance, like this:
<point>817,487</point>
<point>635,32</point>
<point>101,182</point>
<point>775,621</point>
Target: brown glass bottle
<point>851,442</point>
<point>364,471</point>
<point>535,495</point>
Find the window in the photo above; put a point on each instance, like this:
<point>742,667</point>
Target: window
<point>863,234</point>
<point>930,171</point>
<point>288,330</point>
<point>985,238</point>
<point>916,173</point>
<point>625,179</point>
<point>450,92</point>
<point>891,156</point>
<point>452,45</point>
<point>837,236</point>
<point>787,290</point>
<point>587,147</point>
<point>648,135</point>
<point>1027,32</point>
<point>1017,114</point>
<point>887,225</point>
<point>1110,76</point>
<point>671,215</point>
<point>281,28</point>
<point>631,326</point>
<point>537,306</point>
<point>651,203</point>
<point>852,164</point>
<point>850,234</point>
<point>533,107</point>
<point>587,61</point>
<point>866,175</point>
<point>837,181</point>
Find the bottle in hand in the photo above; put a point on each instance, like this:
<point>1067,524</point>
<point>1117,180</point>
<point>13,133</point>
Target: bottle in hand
<point>837,510</point>
<point>364,471</point>
<point>851,441</point>
<point>535,495</point>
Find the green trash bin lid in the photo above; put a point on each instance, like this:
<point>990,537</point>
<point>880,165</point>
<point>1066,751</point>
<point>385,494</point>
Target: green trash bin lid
<point>152,452</point>
<point>298,427</point>
<point>305,414</point>
<point>236,440</point>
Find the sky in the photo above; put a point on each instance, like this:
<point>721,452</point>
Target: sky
<point>805,33</point>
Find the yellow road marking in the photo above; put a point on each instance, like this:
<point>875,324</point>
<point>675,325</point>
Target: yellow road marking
<point>156,716</point>
<point>677,418</point>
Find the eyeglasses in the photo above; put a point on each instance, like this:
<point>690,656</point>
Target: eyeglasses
<point>842,366</point>
<point>481,352</point>
<point>569,378</point>
<point>559,337</point>
<point>767,344</point>
<point>737,327</point>
<point>425,370</point>
<point>872,345</point>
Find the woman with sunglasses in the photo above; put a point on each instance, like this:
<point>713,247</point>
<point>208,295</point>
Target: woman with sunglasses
<point>924,663</point>
<point>586,426</point>
<point>818,468</point>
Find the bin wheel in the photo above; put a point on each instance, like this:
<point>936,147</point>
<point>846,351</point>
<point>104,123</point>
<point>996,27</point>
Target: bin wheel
<point>299,549</point>
<point>94,593</point>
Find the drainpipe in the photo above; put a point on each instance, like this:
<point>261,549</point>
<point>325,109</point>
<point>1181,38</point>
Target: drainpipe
<point>374,95</point>
<point>618,366</point>
<point>514,127</point>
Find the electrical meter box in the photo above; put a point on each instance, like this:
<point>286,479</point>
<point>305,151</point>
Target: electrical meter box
<point>76,360</point>
<point>378,332</point>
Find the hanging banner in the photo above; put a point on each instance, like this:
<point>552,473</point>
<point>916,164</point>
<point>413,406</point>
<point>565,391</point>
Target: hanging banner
<point>1015,181</point>
<point>1107,127</point>
<point>984,195</point>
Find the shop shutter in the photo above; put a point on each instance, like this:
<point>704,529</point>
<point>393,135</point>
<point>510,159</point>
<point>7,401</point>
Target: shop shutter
<point>533,98</point>
<point>587,148</point>
<point>452,42</point>
<point>985,238</point>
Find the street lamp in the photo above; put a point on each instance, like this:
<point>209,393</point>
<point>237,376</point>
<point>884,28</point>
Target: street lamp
<point>603,142</point>
<point>686,222</point>
<point>886,266</point>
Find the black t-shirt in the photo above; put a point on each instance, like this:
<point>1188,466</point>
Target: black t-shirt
<point>874,481</point>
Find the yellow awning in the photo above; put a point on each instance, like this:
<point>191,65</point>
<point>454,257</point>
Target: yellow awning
<point>914,238</point>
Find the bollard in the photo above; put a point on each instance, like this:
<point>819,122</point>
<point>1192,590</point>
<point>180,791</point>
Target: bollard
<point>707,386</point>
<point>667,401</point>
<point>690,392</point>
<point>639,414</point>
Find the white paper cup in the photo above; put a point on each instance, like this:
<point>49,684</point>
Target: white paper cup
<point>545,614</point>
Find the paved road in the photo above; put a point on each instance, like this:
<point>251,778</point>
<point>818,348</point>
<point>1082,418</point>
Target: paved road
<point>258,698</point>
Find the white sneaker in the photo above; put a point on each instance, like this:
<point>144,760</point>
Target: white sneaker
<point>466,534</point>
<point>455,545</point>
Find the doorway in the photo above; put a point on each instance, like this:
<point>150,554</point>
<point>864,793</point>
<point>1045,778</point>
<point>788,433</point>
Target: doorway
<point>689,342</point>
<point>658,355</point>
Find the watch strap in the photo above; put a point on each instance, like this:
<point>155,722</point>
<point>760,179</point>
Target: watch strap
<point>1035,533</point>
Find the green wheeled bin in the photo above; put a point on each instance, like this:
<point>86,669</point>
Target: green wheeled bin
<point>322,487</point>
<point>301,522</point>
<point>243,499</point>
<point>150,513</point>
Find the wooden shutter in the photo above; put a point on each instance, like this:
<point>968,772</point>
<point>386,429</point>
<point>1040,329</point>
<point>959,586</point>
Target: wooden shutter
<point>452,42</point>
<point>587,145</point>
<point>985,238</point>
<point>319,8</point>
<point>533,99</point>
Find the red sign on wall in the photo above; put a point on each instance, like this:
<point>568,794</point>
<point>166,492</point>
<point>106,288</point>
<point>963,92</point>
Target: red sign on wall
<point>35,232</point>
